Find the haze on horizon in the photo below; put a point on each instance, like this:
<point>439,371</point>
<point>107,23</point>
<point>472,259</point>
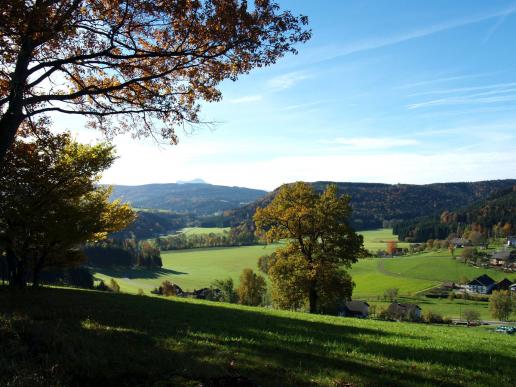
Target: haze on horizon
<point>390,92</point>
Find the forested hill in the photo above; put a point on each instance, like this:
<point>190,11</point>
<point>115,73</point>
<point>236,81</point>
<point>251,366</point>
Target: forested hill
<point>200,199</point>
<point>373,203</point>
<point>488,215</point>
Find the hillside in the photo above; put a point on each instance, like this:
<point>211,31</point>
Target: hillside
<point>499,208</point>
<point>196,198</point>
<point>373,203</point>
<point>86,338</point>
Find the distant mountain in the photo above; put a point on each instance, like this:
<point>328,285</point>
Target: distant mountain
<point>194,181</point>
<point>196,198</point>
<point>376,205</point>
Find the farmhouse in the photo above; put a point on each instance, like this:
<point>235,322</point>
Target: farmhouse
<point>354,308</point>
<point>483,284</point>
<point>398,311</point>
<point>504,284</point>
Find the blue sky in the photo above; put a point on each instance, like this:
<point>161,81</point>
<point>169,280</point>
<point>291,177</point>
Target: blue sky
<point>385,91</point>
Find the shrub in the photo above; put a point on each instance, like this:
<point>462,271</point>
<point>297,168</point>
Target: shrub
<point>471,316</point>
<point>168,289</point>
<point>140,292</point>
<point>433,317</point>
<point>102,286</point>
<point>227,291</point>
<point>251,289</point>
<point>113,286</point>
<point>391,294</point>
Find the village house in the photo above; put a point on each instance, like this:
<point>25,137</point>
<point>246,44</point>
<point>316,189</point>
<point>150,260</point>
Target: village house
<point>410,312</point>
<point>483,285</point>
<point>504,284</point>
<point>354,308</point>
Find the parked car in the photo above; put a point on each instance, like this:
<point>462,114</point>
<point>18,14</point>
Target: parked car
<point>506,329</point>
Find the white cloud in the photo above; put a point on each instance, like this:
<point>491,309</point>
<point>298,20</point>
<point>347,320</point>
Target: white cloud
<point>375,142</point>
<point>383,168</point>
<point>288,80</point>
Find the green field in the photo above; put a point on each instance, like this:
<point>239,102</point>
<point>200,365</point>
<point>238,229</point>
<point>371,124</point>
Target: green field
<point>412,275</point>
<point>58,337</point>
<point>190,269</point>
<point>375,240</point>
<point>204,230</point>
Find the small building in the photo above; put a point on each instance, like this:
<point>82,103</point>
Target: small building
<point>504,284</point>
<point>410,312</point>
<point>460,242</point>
<point>511,240</point>
<point>512,288</point>
<point>483,285</point>
<point>354,308</point>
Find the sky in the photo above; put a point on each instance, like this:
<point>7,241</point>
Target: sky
<point>385,91</point>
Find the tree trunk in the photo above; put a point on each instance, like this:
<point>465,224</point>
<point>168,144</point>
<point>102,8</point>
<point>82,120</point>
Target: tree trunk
<point>11,120</point>
<point>312,297</point>
<point>37,271</point>
<point>17,271</point>
<point>9,124</point>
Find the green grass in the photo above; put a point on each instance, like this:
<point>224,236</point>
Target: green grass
<point>204,230</point>
<point>412,275</point>
<point>375,240</point>
<point>64,337</point>
<point>190,269</point>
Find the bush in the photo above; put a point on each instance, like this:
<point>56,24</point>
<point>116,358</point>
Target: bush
<point>113,286</point>
<point>471,316</point>
<point>227,291</point>
<point>102,286</point>
<point>140,292</point>
<point>433,317</point>
<point>391,294</point>
<point>251,289</point>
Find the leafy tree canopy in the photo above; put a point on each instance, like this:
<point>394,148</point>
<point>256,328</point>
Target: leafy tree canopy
<point>320,240</point>
<point>144,61</point>
<point>50,202</point>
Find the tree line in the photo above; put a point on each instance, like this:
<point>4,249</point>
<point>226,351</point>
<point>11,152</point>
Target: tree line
<point>236,236</point>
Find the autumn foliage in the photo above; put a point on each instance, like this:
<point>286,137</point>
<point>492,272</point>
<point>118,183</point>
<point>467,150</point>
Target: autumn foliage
<point>146,62</point>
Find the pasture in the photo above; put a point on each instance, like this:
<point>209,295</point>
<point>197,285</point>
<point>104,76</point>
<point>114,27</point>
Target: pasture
<point>412,275</point>
<point>71,337</point>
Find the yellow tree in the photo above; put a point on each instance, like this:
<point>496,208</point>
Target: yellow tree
<point>320,242</point>
<point>147,62</point>
<point>51,202</point>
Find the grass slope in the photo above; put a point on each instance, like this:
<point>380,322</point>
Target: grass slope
<point>197,268</point>
<point>70,337</point>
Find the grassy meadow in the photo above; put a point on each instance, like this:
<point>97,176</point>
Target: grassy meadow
<point>64,337</point>
<point>412,275</point>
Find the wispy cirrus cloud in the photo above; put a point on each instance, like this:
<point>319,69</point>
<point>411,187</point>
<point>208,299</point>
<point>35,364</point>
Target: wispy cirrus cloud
<point>473,95</point>
<point>288,80</point>
<point>365,143</point>
<point>384,41</point>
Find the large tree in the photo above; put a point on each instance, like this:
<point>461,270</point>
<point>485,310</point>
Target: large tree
<point>319,239</point>
<point>143,61</point>
<point>50,203</point>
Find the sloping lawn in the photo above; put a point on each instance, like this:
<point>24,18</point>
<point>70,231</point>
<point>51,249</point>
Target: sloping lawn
<point>59,337</point>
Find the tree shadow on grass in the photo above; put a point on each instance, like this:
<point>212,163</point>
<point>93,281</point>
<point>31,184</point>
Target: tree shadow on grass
<point>138,273</point>
<point>96,337</point>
